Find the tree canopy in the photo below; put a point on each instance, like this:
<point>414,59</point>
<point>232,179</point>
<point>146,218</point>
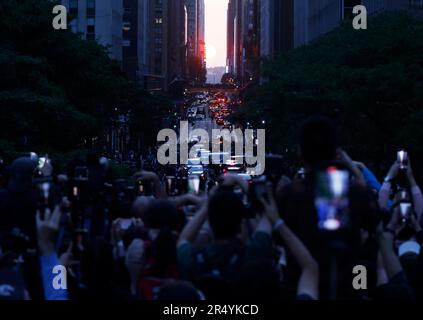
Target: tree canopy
<point>369,81</point>
<point>57,90</point>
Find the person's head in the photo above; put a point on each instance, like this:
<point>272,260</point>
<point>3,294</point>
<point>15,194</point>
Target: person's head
<point>317,141</point>
<point>93,159</point>
<point>259,280</point>
<point>161,214</point>
<point>178,290</point>
<point>226,212</point>
<point>140,207</point>
<point>20,174</point>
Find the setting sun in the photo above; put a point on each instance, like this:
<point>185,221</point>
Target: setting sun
<point>210,51</point>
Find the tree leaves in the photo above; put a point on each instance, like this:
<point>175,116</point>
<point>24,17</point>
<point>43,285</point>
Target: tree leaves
<point>369,81</point>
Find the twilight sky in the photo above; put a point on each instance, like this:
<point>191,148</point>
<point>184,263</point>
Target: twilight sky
<point>216,20</point>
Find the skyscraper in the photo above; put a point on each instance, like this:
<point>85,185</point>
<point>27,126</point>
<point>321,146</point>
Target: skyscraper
<point>130,39</point>
<point>99,20</point>
<point>164,45</point>
<point>243,39</point>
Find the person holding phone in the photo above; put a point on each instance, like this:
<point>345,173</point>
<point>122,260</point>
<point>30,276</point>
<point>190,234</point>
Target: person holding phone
<point>413,188</point>
<point>219,263</point>
<point>308,283</point>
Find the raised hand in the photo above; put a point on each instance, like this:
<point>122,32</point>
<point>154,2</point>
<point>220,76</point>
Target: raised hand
<point>47,229</point>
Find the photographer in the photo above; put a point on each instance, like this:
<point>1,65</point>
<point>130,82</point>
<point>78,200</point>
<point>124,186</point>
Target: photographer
<point>320,156</point>
<point>18,200</point>
<point>392,280</point>
<point>47,230</point>
<point>308,284</point>
<point>411,188</point>
<point>216,268</point>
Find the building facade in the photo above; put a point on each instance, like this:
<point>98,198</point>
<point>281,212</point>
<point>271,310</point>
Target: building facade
<point>243,39</point>
<point>130,39</point>
<point>147,37</point>
<point>99,20</point>
<point>195,41</point>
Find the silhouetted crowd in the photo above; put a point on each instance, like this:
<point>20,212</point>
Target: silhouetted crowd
<point>333,230</point>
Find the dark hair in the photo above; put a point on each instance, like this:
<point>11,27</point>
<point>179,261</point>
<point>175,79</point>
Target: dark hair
<point>318,141</point>
<point>226,211</point>
<point>259,280</point>
<point>162,214</point>
<point>179,291</point>
<point>164,252</point>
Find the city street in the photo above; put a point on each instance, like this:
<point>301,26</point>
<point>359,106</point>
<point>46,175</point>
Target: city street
<point>256,151</point>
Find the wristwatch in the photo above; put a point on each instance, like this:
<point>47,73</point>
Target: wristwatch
<point>279,222</point>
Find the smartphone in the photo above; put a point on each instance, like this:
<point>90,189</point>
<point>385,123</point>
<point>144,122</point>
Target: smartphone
<point>125,223</point>
<point>258,190</point>
<point>405,211</point>
<point>194,184</point>
<point>140,187</point>
<point>75,192</point>
<point>46,196</point>
<point>189,210</point>
<point>331,199</point>
<point>170,185</point>
<point>41,163</point>
<point>402,158</point>
<point>301,174</point>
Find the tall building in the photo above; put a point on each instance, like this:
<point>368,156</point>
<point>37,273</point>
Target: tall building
<point>164,48</point>
<point>130,39</point>
<point>230,38</point>
<point>195,40</point>
<point>99,20</point>
<point>243,37</point>
<point>201,27</point>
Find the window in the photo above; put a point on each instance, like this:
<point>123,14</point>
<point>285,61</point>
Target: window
<point>126,43</point>
<point>159,20</point>
<point>90,21</point>
<point>90,29</point>
<point>74,25</point>
<point>90,8</point>
<point>126,26</point>
<point>73,7</point>
<point>73,4</point>
<point>416,3</point>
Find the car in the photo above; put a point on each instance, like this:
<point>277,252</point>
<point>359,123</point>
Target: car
<point>196,170</point>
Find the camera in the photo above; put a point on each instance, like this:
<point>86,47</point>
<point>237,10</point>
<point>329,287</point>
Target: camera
<point>143,188</point>
<point>194,184</point>
<point>258,190</point>
<point>402,158</point>
<point>331,199</point>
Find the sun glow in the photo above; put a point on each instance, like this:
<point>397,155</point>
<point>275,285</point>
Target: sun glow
<point>210,51</point>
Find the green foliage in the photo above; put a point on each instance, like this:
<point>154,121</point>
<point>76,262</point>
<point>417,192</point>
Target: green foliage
<point>370,82</point>
<point>56,90</point>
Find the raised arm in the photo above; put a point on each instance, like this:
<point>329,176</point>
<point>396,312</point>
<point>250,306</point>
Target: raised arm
<point>416,192</point>
<point>385,190</point>
<point>308,283</point>
<point>47,229</point>
<point>192,228</point>
<point>158,187</point>
<point>386,238</point>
